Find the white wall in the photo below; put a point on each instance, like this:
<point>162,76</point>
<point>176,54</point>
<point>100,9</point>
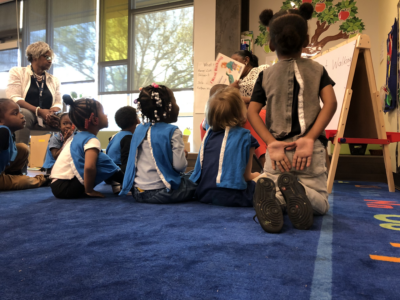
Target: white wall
<point>204,51</point>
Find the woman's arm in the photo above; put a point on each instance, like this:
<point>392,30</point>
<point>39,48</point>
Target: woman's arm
<point>57,103</point>
<point>247,173</point>
<point>90,170</point>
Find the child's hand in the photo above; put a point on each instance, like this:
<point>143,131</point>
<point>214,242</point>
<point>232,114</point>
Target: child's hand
<point>277,154</point>
<point>67,134</point>
<point>304,151</point>
<point>95,194</point>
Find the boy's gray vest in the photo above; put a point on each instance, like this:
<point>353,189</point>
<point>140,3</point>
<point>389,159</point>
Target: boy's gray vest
<point>278,83</point>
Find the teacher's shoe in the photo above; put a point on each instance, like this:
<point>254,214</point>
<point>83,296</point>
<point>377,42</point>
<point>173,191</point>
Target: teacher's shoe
<point>298,206</point>
<point>267,207</point>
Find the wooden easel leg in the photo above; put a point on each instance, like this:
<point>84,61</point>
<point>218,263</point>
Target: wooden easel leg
<point>333,167</point>
<point>388,167</point>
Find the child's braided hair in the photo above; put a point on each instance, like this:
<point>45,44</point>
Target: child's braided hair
<point>154,103</point>
<point>81,111</point>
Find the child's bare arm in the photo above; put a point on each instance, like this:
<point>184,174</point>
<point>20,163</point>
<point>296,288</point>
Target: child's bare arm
<point>90,170</point>
<point>247,173</point>
<point>326,114</point>
<point>257,123</point>
<point>276,149</point>
<point>55,152</point>
<point>305,145</point>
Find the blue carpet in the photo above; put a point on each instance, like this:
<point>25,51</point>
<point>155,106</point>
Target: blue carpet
<point>114,248</point>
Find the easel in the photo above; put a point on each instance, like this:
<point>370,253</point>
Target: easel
<point>361,119</point>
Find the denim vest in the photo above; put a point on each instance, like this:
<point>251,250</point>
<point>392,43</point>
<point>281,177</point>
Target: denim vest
<point>114,148</point>
<point>233,158</point>
<point>159,137</point>
<point>105,167</point>
<point>278,83</point>
<point>9,154</point>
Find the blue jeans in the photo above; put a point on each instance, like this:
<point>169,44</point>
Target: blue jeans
<point>184,193</point>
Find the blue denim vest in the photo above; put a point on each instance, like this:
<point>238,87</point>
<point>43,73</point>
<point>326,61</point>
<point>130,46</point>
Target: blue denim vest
<point>8,155</point>
<point>234,156</point>
<point>159,137</point>
<point>114,148</point>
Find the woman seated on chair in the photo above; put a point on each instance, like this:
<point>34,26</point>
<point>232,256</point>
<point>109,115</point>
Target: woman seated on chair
<point>35,91</point>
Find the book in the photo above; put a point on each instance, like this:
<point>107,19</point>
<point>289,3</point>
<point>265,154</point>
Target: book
<point>226,70</point>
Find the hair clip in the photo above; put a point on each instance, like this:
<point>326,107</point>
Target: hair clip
<point>165,114</point>
<point>135,101</point>
<point>170,106</point>
<point>155,85</point>
<point>140,89</point>
<point>155,114</point>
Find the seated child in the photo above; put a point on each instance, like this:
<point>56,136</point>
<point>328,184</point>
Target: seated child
<point>157,157</point>
<point>127,120</point>
<point>223,166</point>
<point>81,165</point>
<point>294,172</point>
<point>260,151</point>
<point>14,157</point>
<point>57,140</point>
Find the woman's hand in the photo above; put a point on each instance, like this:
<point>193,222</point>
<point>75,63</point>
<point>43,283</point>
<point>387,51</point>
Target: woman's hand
<point>95,194</point>
<point>235,84</point>
<point>304,151</point>
<point>55,109</point>
<point>277,155</point>
<point>43,113</point>
<point>53,121</point>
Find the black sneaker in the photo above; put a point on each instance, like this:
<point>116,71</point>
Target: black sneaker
<point>298,206</point>
<point>267,207</point>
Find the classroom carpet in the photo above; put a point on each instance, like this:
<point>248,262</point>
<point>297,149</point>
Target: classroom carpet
<point>115,248</point>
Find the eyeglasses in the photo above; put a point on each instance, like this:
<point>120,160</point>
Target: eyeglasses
<point>48,58</point>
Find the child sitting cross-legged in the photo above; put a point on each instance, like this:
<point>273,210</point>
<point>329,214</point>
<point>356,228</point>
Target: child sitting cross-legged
<point>294,175</point>
<point>127,120</point>
<point>57,141</point>
<point>157,157</point>
<point>81,165</point>
<point>223,166</point>
<point>13,157</point>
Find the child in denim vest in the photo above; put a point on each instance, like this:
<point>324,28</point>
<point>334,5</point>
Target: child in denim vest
<point>157,157</point>
<point>295,175</point>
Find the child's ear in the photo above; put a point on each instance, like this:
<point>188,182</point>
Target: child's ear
<point>271,46</point>
<point>95,121</point>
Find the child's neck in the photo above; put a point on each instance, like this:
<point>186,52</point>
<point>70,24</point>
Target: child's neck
<point>130,129</point>
<point>11,129</point>
<point>290,56</point>
<point>93,129</point>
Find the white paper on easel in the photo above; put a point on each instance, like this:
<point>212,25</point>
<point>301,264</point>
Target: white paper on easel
<point>337,63</point>
<point>205,71</point>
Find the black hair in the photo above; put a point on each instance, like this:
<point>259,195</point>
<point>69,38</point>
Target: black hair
<point>3,105</point>
<point>62,116</point>
<point>288,28</point>
<point>245,53</point>
<point>81,110</point>
<point>155,103</point>
<point>125,117</point>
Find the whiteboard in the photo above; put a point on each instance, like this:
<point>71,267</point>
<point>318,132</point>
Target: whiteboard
<point>202,86</point>
<point>337,63</point>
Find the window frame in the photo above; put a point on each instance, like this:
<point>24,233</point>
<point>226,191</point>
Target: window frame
<point>132,12</point>
<point>49,39</point>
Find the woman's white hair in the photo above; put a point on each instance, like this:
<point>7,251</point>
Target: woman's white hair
<point>35,50</point>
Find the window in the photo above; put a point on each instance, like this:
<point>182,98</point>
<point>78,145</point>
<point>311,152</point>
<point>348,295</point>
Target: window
<point>152,42</point>
<point>69,27</point>
<point>74,39</point>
